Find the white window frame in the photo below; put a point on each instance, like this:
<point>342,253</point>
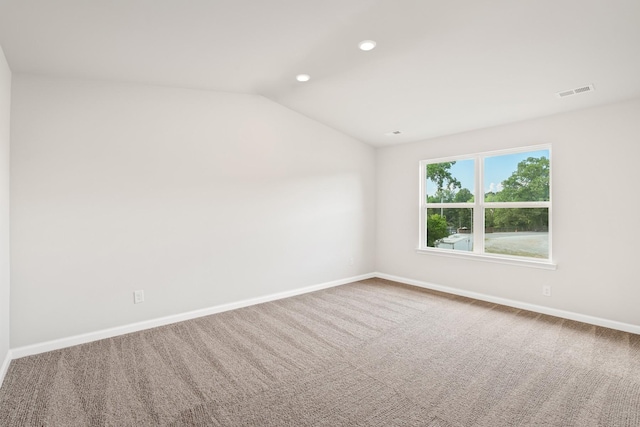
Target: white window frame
<point>479,206</point>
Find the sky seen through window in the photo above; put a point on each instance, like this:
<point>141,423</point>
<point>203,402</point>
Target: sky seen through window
<point>496,169</point>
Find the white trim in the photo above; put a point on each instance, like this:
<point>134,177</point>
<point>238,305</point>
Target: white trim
<point>511,205</point>
<point>584,318</point>
<point>498,259</point>
<point>5,366</point>
<point>490,153</point>
<point>30,350</point>
<point>140,326</point>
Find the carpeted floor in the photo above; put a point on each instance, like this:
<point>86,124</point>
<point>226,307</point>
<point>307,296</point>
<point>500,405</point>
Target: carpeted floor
<point>371,353</point>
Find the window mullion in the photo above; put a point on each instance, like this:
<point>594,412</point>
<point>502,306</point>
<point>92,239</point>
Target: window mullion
<point>544,204</point>
<point>422,238</point>
<point>478,211</point>
<point>450,205</point>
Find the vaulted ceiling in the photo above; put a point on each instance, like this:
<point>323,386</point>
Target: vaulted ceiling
<point>439,67</point>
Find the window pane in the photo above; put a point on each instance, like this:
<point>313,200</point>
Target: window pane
<point>518,177</point>
<point>450,182</point>
<point>450,228</point>
<point>519,232</point>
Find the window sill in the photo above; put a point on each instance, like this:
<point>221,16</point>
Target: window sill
<point>531,263</point>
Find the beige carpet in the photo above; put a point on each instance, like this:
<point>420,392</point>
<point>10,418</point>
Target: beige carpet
<point>371,353</point>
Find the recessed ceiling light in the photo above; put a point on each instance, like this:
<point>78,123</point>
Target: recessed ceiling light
<point>303,77</point>
<point>366,45</point>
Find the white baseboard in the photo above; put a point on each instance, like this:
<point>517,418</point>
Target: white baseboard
<point>5,366</point>
<point>153,323</point>
<point>29,350</point>
<point>598,321</point>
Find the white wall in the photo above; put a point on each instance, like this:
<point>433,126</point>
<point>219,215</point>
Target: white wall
<point>203,198</point>
<point>5,103</point>
<point>198,198</point>
<point>595,158</point>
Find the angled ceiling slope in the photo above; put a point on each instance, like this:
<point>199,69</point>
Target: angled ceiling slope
<point>438,67</point>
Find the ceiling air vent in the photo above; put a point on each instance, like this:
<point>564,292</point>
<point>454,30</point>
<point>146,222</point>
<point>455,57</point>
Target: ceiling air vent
<point>395,132</point>
<point>576,91</point>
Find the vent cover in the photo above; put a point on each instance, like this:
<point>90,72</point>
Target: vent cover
<point>395,132</point>
<point>576,91</point>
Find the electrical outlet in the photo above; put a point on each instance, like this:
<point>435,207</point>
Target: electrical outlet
<point>546,290</point>
<point>138,297</point>
<point>351,261</point>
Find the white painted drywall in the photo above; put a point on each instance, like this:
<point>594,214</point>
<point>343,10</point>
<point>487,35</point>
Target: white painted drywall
<point>595,154</point>
<point>5,111</point>
<point>198,198</point>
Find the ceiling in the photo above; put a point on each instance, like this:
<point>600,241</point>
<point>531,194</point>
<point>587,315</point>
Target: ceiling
<point>440,67</point>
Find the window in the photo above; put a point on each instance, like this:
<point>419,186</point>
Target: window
<point>493,205</point>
